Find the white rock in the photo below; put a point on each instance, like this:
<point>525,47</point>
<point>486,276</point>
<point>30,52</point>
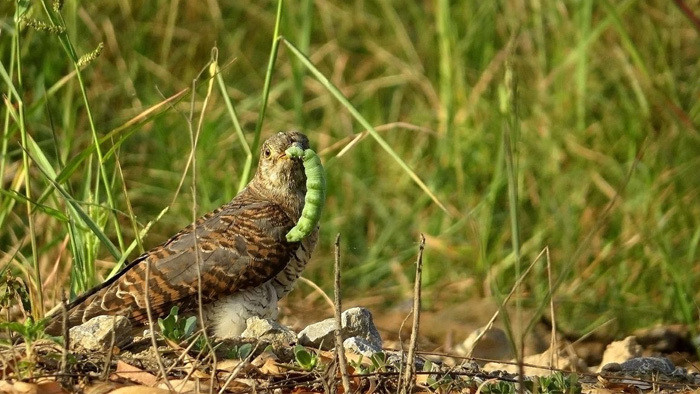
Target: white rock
<point>355,322</point>
<point>361,346</point>
<point>269,330</point>
<point>96,333</point>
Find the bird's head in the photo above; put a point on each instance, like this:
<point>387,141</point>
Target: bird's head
<point>279,176</point>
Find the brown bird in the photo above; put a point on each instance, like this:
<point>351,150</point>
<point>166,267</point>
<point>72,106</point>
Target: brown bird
<point>239,250</point>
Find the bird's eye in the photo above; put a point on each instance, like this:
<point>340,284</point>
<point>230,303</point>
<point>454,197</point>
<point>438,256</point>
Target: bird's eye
<point>267,152</point>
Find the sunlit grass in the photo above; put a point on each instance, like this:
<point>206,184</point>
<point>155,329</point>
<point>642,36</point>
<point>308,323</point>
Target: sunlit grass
<point>605,159</point>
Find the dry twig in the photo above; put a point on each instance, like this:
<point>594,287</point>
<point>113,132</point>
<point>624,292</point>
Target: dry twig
<point>151,328</point>
<point>194,135</point>
<point>340,351</point>
<point>110,349</point>
<point>506,299</point>
<point>318,290</point>
<point>409,373</point>
<point>66,339</point>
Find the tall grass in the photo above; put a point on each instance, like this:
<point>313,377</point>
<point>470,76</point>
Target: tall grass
<point>606,152</point>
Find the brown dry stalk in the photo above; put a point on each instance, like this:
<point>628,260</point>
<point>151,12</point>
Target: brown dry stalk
<point>66,338</point>
<point>506,299</point>
<point>110,349</point>
<point>318,290</point>
<point>339,350</point>
<point>410,372</point>
<point>154,342</point>
<point>194,135</point>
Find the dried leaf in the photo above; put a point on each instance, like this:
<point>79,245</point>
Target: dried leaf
<point>140,390</point>
<point>240,385</point>
<point>422,379</point>
<point>51,388</point>
<point>46,387</point>
<point>271,367</point>
<point>18,387</point>
<point>227,365</point>
<point>262,358</point>
<point>136,375</point>
<point>187,386</point>
<point>599,390</point>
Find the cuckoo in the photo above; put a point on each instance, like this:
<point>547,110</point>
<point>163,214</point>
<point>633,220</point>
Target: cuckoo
<point>239,251</point>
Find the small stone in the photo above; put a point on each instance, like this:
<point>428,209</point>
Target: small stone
<point>611,368</point>
<point>361,346</point>
<point>355,322</point>
<point>96,333</point>
<point>621,351</point>
<point>268,330</point>
<point>399,359</point>
<point>649,365</point>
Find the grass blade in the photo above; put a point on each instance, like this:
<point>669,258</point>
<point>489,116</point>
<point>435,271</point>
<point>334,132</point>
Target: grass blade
<point>356,114</point>
<point>38,157</point>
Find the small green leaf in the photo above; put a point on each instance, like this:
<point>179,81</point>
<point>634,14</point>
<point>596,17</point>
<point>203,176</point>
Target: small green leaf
<point>244,350</point>
<point>176,329</point>
<point>190,325</point>
<point>304,358</point>
<point>378,361</point>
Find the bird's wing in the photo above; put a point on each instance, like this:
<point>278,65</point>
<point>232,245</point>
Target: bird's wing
<point>238,246</point>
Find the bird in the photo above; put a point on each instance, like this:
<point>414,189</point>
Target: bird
<point>239,251</point>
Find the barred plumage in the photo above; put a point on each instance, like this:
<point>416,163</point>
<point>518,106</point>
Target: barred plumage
<point>245,260</point>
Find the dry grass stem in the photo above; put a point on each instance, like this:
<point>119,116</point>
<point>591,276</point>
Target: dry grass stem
<point>505,300</point>
<point>553,355</point>
<point>66,339</point>
<point>194,138</point>
<point>339,349</point>
<point>318,290</point>
<point>151,328</point>
<point>110,349</point>
<point>410,372</point>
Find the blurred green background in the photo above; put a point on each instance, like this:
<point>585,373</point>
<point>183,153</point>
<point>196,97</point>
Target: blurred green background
<point>603,129</point>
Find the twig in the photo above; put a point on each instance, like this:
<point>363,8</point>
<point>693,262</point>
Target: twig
<point>340,351</point>
<point>194,136</point>
<point>553,339</point>
<point>318,290</point>
<point>110,349</point>
<point>151,328</point>
<point>185,352</point>
<point>505,300</point>
<point>401,361</point>
<point>66,339</point>
<point>327,378</point>
<point>409,373</point>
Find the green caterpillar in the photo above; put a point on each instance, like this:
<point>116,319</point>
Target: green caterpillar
<point>315,193</point>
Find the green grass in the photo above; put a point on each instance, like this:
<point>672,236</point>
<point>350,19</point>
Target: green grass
<point>605,141</point>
